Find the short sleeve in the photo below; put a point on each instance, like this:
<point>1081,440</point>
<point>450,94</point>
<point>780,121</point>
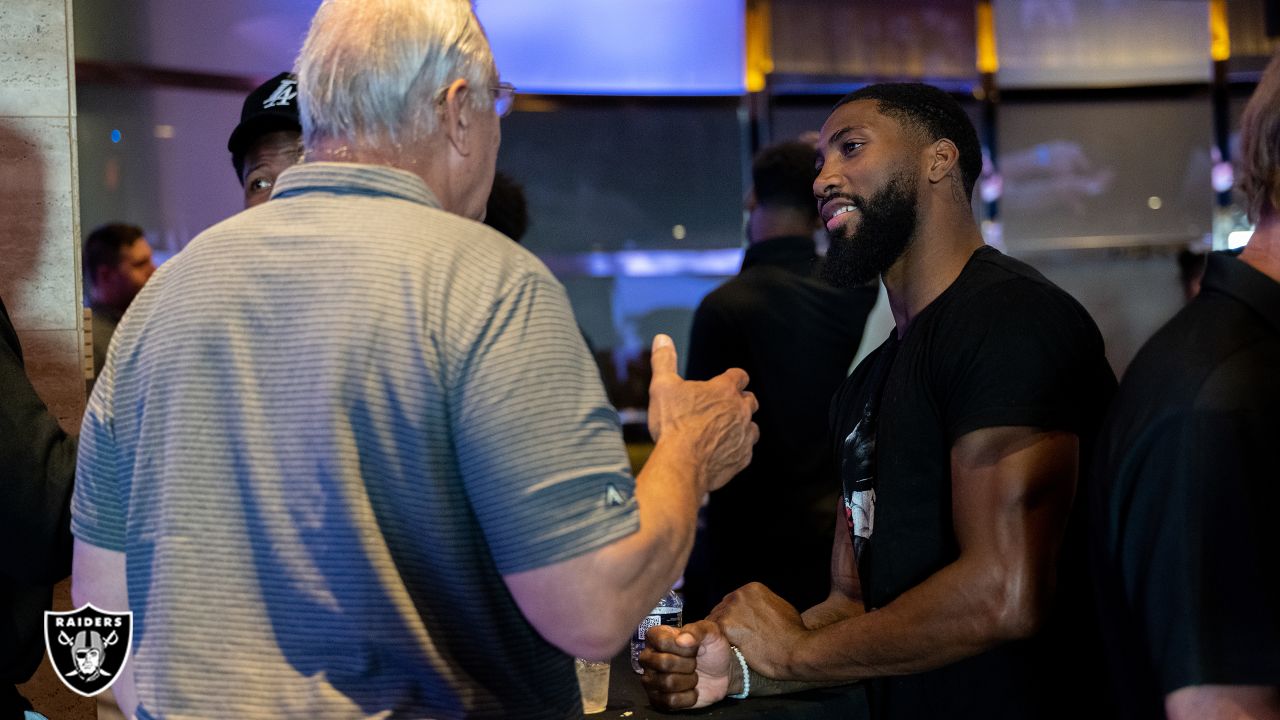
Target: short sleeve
<point>539,447</point>
<point>97,510</point>
<point>1030,357</point>
<point>1200,566</point>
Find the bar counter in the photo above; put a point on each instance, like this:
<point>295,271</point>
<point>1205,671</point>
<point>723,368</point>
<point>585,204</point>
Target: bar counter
<point>627,701</point>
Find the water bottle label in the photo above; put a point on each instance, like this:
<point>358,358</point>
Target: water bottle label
<point>669,616</point>
<point>655,619</point>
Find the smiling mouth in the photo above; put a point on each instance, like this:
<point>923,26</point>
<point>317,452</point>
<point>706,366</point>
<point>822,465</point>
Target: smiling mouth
<point>834,218</point>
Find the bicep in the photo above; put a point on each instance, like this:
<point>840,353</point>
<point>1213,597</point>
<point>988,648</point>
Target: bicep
<point>1012,484</point>
<point>1012,489</point>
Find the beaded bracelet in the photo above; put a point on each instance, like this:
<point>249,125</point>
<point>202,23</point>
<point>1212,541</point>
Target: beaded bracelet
<point>746,675</point>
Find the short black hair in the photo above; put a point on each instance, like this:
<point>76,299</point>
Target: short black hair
<point>102,247</point>
<point>932,113</point>
<point>782,176</point>
<point>507,212</point>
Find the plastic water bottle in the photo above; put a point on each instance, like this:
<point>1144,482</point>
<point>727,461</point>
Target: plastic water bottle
<point>670,611</point>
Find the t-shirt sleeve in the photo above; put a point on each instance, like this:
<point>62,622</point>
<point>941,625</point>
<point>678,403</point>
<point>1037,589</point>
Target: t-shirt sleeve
<point>538,445</point>
<point>1030,357</point>
<point>1203,577</point>
<point>97,512</point>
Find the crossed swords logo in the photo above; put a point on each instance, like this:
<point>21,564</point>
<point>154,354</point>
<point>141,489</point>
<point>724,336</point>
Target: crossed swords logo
<point>88,658</point>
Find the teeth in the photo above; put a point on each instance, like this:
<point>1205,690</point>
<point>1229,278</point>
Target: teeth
<point>842,210</point>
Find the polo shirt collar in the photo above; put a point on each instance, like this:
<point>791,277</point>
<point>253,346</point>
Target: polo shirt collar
<point>353,179</point>
<point>1237,279</point>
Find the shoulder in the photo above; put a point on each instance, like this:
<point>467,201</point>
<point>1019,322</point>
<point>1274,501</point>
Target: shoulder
<point>1003,294</point>
<point>737,295</point>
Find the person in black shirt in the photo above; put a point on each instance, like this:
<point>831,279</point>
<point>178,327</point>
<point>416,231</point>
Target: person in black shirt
<point>796,336</point>
<point>959,441</point>
<point>1186,548</point>
<point>37,466</point>
<point>268,139</point>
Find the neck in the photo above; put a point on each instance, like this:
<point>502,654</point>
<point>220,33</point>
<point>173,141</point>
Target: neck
<point>1263,250</point>
<point>934,259</point>
<point>416,160</point>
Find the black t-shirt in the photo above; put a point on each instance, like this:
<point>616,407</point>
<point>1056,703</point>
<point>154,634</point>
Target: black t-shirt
<point>796,337</point>
<point>1002,346</point>
<point>1186,546</point>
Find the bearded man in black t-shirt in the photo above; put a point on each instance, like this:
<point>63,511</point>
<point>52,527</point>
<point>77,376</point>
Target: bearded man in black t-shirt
<point>958,578</point>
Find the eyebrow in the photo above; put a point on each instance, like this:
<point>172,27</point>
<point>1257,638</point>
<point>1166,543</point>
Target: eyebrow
<point>835,139</point>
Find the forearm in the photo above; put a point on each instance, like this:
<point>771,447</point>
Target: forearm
<point>957,613</point>
<point>1224,702</point>
<point>589,605</point>
<point>762,686</point>
<point>632,574</point>
<point>98,577</point>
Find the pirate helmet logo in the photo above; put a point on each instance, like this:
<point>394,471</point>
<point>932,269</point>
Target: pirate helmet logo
<point>88,647</point>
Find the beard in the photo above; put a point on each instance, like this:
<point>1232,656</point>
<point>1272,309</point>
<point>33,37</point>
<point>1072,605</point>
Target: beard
<point>883,234</point>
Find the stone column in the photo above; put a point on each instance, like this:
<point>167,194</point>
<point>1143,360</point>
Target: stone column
<point>39,236</point>
<point>39,210</point>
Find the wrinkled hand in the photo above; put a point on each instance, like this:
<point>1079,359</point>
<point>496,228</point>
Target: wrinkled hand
<point>713,416</point>
<point>686,667</point>
<point>765,628</point>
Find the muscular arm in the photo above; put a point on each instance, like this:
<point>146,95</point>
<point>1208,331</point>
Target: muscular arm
<point>98,577</point>
<point>1012,491</point>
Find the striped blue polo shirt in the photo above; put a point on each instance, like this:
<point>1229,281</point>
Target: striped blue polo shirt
<point>324,432</point>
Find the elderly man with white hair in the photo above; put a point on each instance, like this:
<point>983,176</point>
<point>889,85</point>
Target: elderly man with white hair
<point>349,456</point>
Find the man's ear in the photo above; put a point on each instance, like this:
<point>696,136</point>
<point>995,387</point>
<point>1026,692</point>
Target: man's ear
<point>456,115</point>
<point>942,159</point>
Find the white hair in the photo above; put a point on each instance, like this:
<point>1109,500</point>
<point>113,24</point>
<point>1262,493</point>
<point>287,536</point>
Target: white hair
<point>371,71</point>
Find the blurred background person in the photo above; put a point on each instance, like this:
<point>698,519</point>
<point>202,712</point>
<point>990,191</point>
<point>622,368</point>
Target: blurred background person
<point>796,337</point>
<point>117,263</point>
<point>268,138</point>
<point>507,210</point>
<point>37,465</point>
<point>1191,266</point>
<point>1186,547</point>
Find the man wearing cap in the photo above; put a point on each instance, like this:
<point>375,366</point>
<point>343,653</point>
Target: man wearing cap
<point>268,138</point>
<point>383,479</point>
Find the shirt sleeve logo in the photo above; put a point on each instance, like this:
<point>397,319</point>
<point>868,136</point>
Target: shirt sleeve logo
<point>88,647</point>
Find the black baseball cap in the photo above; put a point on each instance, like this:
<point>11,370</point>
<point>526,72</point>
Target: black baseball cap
<point>272,106</point>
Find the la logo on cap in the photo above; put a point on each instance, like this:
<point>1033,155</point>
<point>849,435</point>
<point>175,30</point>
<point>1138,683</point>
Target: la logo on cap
<point>284,94</point>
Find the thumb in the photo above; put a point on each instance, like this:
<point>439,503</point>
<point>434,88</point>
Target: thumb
<point>663,356</point>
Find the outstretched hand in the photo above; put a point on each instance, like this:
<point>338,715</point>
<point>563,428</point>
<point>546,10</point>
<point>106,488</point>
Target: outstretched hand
<point>714,417</point>
<point>686,667</point>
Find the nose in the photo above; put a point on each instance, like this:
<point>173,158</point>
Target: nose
<point>828,180</point>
